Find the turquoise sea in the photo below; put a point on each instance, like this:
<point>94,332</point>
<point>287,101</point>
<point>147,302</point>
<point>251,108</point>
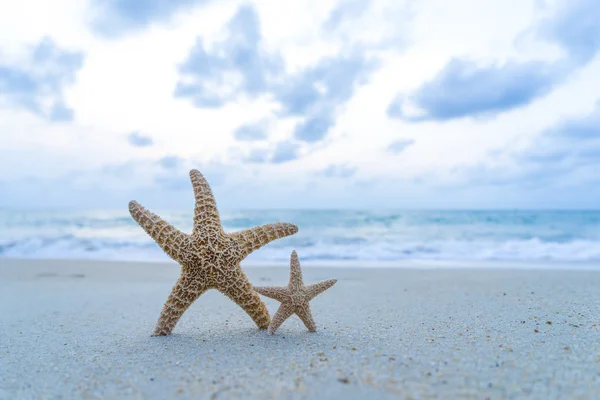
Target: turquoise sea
<point>334,236</point>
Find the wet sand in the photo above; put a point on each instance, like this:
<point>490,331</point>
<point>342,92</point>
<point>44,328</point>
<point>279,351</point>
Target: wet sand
<point>73,329</point>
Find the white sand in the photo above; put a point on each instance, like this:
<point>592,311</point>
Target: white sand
<point>82,330</point>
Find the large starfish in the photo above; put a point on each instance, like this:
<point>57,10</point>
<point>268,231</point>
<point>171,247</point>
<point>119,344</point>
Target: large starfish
<point>209,257</point>
<point>294,297</point>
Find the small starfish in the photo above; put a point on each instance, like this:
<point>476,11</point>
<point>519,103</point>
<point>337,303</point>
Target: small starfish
<point>209,257</point>
<point>294,297</point>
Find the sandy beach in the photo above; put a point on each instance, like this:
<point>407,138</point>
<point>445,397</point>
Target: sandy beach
<point>73,329</point>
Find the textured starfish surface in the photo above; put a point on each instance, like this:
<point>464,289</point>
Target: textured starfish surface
<point>294,297</point>
<point>209,257</point>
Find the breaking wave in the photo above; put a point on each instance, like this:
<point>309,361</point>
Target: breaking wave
<point>323,236</point>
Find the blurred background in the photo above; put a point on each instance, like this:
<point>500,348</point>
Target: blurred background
<point>389,131</point>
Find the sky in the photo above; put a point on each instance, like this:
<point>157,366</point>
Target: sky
<point>306,104</point>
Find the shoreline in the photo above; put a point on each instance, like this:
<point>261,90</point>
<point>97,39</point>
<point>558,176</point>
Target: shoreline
<point>81,329</point>
<point>416,264</point>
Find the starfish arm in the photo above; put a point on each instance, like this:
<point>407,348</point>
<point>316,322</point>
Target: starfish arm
<point>316,289</point>
<point>254,238</point>
<point>170,239</point>
<point>239,289</point>
<point>283,313</point>
<point>306,317</point>
<point>274,292</point>
<point>206,214</point>
<point>183,294</point>
<point>296,281</point>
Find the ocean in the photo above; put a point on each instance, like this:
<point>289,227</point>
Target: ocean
<point>328,237</point>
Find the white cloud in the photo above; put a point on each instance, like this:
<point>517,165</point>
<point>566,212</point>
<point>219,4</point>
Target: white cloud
<point>127,84</point>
